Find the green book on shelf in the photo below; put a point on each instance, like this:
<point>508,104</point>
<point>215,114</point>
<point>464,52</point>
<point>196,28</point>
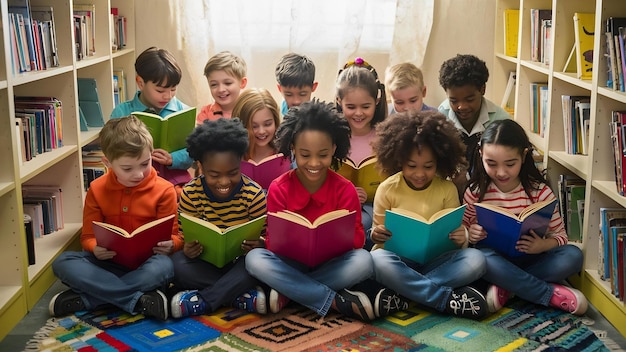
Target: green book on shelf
<point>220,246</point>
<point>170,132</point>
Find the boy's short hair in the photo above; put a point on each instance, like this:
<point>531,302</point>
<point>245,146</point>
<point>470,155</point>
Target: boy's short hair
<point>403,75</point>
<point>125,136</point>
<point>221,135</point>
<point>226,61</point>
<point>295,70</point>
<point>463,70</point>
<point>158,66</point>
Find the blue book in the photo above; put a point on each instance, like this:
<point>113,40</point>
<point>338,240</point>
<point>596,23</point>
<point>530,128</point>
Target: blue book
<point>22,7</point>
<point>504,228</point>
<point>420,239</point>
<point>609,217</point>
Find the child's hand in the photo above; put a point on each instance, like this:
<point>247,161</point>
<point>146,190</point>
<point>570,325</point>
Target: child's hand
<point>534,244</point>
<point>164,247</point>
<point>380,234</point>
<point>476,233</point>
<point>192,249</point>
<point>362,194</point>
<point>248,245</point>
<point>162,157</point>
<point>458,236</point>
<point>102,253</point>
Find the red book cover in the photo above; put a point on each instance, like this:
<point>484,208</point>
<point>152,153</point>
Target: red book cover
<point>134,248</point>
<point>293,236</point>
<point>266,170</point>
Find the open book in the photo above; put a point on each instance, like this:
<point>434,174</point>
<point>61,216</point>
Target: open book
<point>220,246</point>
<point>420,239</point>
<point>266,170</point>
<point>134,248</point>
<point>505,228</point>
<point>170,132</point>
<point>364,175</point>
<point>295,237</point>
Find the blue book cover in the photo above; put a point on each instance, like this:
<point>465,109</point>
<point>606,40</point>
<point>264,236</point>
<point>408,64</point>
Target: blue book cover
<point>505,228</point>
<point>420,239</point>
<point>609,217</point>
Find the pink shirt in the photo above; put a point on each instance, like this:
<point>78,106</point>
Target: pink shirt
<point>360,147</point>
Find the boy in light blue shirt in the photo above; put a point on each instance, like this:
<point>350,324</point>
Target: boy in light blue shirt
<point>295,75</point>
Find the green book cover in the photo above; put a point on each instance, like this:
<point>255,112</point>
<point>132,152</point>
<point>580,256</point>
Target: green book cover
<point>170,132</point>
<point>420,239</point>
<point>220,246</point>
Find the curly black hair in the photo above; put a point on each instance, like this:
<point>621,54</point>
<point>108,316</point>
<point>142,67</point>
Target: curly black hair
<point>315,115</point>
<point>221,135</point>
<point>401,133</point>
<point>463,70</point>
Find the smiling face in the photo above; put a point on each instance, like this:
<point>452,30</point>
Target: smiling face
<point>313,151</point>
<point>358,108</point>
<point>129,170</point>
<point>503,165</point>
<point>154,96</point>
<point>420,169</point>
<point>466,102</point>
<point>411,97</point>
<point>221,172</point>
<point>225,88</point>
<point>263,127</point>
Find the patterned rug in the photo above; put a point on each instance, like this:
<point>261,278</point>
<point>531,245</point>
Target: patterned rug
<point>519,326</point>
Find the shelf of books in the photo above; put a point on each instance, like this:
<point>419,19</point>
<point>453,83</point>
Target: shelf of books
<point>575,115</point>
<point>66,48</point>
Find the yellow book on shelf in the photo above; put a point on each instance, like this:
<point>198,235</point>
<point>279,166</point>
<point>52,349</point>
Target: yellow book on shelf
<point>584,27</point>
<point>511,31</point>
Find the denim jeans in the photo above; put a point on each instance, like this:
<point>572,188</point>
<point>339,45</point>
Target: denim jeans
<point>313,287</point>
<point>429,284</point>
<point>101,281</point>
<point>529,276</point>
<point>367,216</point>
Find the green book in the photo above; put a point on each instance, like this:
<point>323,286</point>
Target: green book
<point>170,132</point>
<point>220,246</point>
<point>421,239</point>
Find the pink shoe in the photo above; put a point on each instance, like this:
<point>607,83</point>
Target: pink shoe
<point>277,301</point>
<point>568,299</point>
<point>496,298</point>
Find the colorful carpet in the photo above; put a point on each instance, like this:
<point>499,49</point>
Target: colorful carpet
<point>519,326</point>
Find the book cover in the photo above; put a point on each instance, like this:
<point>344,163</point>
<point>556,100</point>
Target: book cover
<point>364,175</point>
<point>170,132</point>
<point>620,267</point>
<point>616,233</point>
<point>505,228</point>
<point>584,24</point>
<point>133,249</point>
<point>266,170</point>
<point>511,31</point>
<point>311,243</point>
<point>572,226</point>
<point>421,239</point>
<point>220,246</point>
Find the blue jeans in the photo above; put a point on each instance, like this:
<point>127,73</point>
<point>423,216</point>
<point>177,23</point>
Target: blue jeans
<point>367,216</point>
<point>432,283</point>
<point>313,287</point>
<point>529,276</point>
<point>101,281</point>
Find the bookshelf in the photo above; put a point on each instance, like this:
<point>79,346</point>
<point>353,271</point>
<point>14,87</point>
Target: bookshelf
<point>22,285</point>
<point>597,168</point>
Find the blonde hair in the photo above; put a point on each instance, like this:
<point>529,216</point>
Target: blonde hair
<point>228,62</point>
<point>404,75</point>
<point>251,101</point>
<point>125,136</point>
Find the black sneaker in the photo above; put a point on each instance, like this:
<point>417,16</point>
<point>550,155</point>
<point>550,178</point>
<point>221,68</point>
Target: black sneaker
<point>387,302</point>
<point>354,304</point>
<point>153,304</point>
<point>467,302</point>
<point>66,302</point>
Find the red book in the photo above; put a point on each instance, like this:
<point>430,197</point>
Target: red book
<point>134,248</point>
<point>311,243</point>
<point>266,170</point>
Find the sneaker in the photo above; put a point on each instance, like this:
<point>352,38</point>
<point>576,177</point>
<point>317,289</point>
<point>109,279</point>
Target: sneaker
<point>277,301</point>
<point>354,304</point>
<point>568,299</point>
<point>387,302</point>
<point>66,302</point>
<point>253,301</point>
<point>467,302</point>
<point>186,303</point>
<point>153,304</point>
<point>496,298</point>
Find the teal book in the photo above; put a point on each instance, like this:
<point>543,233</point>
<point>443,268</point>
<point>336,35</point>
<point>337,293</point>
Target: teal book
<point>420,239</point>
<point>504,228</point>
